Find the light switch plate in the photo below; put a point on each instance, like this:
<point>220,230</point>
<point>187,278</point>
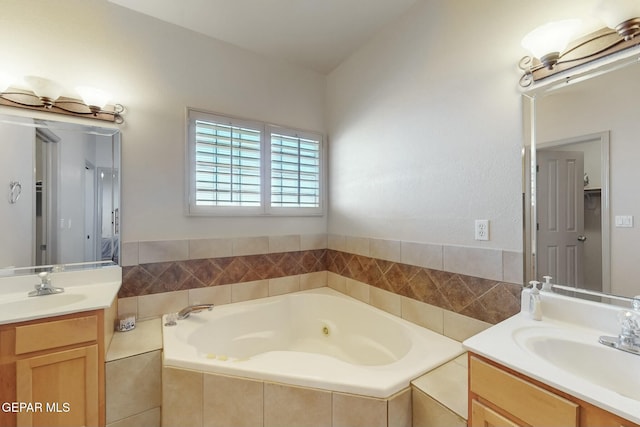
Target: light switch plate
<point>625,221</point>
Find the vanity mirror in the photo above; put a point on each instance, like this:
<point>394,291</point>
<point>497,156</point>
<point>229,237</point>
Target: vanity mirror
<point>582,210</point>
<point>60,195</point>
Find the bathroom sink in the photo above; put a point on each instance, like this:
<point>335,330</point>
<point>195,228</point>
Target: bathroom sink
<point>41,303</point>
<point>84,290</point>
<point>581,355</point>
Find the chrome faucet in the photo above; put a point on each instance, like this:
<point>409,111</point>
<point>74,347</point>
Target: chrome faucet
<point>45,287</point>
<point>629,338</point>
<point>186,312</point>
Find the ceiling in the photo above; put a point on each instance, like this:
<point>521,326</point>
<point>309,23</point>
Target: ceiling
<point>315,34</point>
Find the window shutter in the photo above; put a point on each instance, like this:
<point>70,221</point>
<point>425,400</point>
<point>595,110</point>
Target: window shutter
<point>241,167</point>
<point>227,164</point>
<point>295,170</point>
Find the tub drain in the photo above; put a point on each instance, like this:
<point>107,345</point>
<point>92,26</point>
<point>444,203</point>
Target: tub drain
<point>325,331</point>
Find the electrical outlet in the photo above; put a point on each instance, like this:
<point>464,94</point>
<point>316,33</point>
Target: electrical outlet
<point>482,229</point>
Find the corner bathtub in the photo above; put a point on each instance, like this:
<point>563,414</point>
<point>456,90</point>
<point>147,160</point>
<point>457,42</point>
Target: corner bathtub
<point>318,338</point>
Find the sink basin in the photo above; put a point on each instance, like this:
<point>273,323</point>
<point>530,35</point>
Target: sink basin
<point>41,303</point>
<point>582,356</point>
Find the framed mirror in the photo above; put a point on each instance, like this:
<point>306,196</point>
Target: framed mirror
<point>61,204</point>
<point>582,212</point>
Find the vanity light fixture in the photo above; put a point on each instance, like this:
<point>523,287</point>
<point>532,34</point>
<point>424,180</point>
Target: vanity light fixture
<point>621,15</point>
<point>45,95</point>
<point>553,50</point>
<point>548,41</point>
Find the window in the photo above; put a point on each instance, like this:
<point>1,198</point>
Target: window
<point>240,167</point>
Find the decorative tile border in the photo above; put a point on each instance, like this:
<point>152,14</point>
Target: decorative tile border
<point>483,299</point>
<point>145,279</point>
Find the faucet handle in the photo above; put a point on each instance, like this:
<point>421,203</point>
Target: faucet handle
<point>629,322</point>
<point>44,278</point>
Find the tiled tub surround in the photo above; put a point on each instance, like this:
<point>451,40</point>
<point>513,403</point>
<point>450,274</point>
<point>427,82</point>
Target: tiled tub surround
<point>279,392</point>
<point>487,300</point>
<point>198,399</point>
<point>318,338</point>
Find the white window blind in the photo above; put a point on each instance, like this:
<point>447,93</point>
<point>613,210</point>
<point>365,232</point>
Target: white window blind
<point>295,171</point>
<point>239,167</point>
<point>227,164</point>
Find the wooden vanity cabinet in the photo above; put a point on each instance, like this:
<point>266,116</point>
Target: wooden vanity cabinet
<point>52,371</point>
<point>500,397</point>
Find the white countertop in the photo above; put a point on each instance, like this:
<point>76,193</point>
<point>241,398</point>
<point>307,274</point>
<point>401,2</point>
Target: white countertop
<point>562,317</point>
<point>84,290</point>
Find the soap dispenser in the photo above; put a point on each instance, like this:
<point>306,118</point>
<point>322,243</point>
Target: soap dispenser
<point>535,309</point>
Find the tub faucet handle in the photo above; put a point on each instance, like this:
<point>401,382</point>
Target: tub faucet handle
<point>186,312</point>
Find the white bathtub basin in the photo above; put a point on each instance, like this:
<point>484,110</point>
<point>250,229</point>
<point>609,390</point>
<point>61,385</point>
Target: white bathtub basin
<point>318,338</point>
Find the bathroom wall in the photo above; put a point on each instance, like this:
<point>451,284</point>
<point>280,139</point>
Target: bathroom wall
<point>156,70</point>
<point>423,122</point>
<point>425,125</point>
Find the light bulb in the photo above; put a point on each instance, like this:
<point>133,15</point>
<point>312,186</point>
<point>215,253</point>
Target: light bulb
<point>47,90</point>
<point>615,12</point>
<point>94,98</point>
<point>549,40</point>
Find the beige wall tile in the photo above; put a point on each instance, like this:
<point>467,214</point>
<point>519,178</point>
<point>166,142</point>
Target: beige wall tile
<point>155,305</point>
<point>447,384</point>
<point>337,242</point>
<point>337,282</point>
<point>249,290</point>
<point>429,413</point>
<point>130,253</point>
<point>425,315</point>
<point>513,267</point>
<point>230,401</point>
<point>296,407</point>
<point>150,418</point>
<point>478,262</point>
<point>422,255</point>
<point>163,251</point>
<point>399,409</point>
<point>284,285</point>
<point>128,305</point>
<point>181,398</point>
<point>357,245</point>
<point>133,385</point>
<point>313,241</point>
<point>459,327</point>
<point>250,246</point>
<point>385,249</point>
<point>358,290</point>
<point>287,243</point>
<point>385,300</point>
<point>317,279</point>
<point>210,248</point>
<point>357,411</point>
<point>217,295</point>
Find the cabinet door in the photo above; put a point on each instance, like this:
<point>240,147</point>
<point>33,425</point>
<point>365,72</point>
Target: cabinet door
<point>61,386</point>
<point>482,416</point>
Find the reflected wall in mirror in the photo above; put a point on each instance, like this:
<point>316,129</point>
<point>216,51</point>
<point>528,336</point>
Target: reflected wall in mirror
<point>62,194</point>
<point>584,227</point>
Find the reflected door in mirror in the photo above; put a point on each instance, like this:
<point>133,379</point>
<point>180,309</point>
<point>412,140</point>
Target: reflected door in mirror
<point>560,212</point>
